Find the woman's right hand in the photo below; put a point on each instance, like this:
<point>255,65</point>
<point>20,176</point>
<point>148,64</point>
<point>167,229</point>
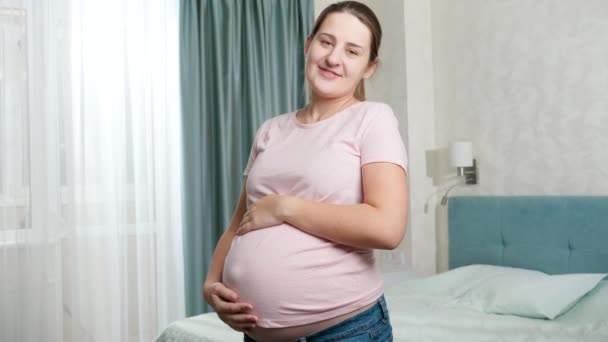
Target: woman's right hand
<point>224,301</point>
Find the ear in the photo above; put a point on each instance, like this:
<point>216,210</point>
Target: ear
<point>371,69</point>
<point>307,45</point>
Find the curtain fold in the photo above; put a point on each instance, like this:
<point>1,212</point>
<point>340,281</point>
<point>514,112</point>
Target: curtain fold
<point>93,248</point>
<point>242,62</point>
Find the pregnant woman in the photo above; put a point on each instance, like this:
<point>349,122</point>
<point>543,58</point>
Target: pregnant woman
<point>324,186</point>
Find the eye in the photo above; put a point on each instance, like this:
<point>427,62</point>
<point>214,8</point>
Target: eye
<point>326,43</point>
<point>352,52</point>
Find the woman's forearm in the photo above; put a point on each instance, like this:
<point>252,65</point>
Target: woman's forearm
<point>219,256</point>
<point>359,225</point>
<point>223,246</point>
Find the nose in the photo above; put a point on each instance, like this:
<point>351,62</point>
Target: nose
<point>333,58</point>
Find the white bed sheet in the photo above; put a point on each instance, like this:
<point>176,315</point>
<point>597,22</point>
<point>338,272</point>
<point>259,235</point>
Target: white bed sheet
<point>201,328</point>
<point>424,318</point>
<point>430,318</point>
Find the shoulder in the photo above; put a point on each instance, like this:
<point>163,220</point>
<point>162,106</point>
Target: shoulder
<point>379,108</point>
<point>274,126</point>
<point>277,121</point>
<point>372,112</point>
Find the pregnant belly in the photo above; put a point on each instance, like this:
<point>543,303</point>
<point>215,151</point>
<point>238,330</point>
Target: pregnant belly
<point>293,278</point>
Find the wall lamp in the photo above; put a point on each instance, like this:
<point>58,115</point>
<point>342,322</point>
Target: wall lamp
<point>461,157</point>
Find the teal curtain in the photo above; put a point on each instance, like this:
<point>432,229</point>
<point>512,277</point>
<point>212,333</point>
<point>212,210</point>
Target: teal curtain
<point>242,62</point>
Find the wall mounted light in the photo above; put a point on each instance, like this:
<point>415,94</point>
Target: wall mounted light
<point>461,157</point>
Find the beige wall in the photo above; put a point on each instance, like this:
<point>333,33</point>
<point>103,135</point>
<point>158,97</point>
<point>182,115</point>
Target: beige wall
<point>527,82</point>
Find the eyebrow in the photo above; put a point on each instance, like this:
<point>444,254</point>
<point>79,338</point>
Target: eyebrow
<point>334,38</point>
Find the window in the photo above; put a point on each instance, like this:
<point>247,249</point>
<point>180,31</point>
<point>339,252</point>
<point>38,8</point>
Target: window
<point>70,130</point>
<point>14,126</point>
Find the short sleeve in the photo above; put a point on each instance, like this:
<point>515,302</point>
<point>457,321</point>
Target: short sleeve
<point>253,154</point>
<point>382,142</point>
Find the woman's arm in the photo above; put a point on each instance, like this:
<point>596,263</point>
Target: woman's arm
<point>224,300</point>
<point>223,245</point>
<point>379,222</point>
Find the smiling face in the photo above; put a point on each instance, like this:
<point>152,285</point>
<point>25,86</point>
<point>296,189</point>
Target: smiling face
<point>338,56</point>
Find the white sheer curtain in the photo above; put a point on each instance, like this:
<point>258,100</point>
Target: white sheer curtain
<point>90,169</point>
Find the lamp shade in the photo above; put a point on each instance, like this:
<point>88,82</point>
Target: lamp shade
<point>461,154</point>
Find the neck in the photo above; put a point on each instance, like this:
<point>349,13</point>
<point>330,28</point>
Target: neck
<point>321,108</point>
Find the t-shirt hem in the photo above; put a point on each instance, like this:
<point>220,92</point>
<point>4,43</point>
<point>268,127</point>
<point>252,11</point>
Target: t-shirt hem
<point>399,163</point>
<point>273,323</point>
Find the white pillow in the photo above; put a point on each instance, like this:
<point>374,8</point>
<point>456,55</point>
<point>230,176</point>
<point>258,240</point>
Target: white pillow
<point>528,293</point>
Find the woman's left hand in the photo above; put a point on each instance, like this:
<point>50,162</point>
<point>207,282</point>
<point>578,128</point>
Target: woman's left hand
<point>264,213</point>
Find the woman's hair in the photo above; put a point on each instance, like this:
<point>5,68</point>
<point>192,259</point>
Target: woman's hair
<point>368,18</point>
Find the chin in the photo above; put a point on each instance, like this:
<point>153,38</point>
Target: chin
<point>329,91</point>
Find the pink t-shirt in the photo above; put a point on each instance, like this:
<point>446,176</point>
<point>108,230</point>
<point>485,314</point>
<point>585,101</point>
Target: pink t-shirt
<point>289,276</point>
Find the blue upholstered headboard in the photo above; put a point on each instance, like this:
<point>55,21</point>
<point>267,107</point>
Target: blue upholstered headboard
<point>553,234</point>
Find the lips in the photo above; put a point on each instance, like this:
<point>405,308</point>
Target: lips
<point>328,73</point>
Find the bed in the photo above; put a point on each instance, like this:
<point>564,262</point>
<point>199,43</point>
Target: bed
<point>529,268</point>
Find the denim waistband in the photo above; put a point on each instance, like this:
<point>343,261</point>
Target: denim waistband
<point>358,323</point>
<point>353,325</point>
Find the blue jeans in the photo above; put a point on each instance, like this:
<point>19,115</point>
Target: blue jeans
<point>372,324</point>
